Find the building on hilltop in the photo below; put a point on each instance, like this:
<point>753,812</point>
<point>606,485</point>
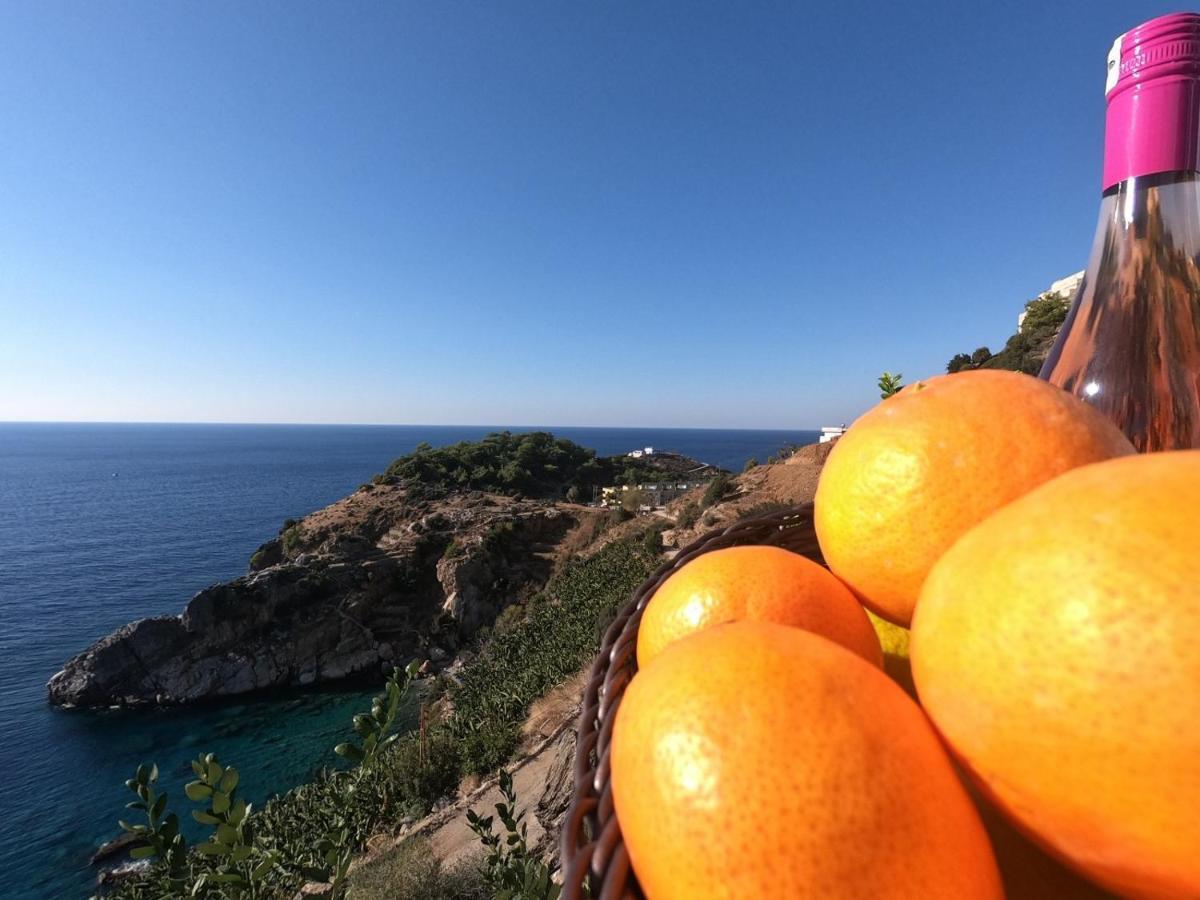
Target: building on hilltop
<point>1064,288</point>
<point>654,494</point>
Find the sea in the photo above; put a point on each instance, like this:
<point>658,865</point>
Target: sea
<point>101,524</point>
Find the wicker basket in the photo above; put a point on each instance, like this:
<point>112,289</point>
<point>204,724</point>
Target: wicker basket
<point>592,850</point>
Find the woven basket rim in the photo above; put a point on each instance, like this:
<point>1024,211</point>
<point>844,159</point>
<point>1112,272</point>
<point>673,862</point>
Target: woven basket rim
<point>591,850</point>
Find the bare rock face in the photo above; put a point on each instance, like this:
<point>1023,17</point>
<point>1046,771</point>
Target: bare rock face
<point>270,629</point>
<point>357,587</point>
<point>551,809</point>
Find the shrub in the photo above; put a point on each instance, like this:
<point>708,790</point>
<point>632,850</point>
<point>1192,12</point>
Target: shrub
<point>750,464</point>
<point>619,514</point>
<point>291,539</point>
<point>716,491</point>
<point>453,550</point>
<point>558,635</point>
<point>890,383</point>
<point>413,872</point>
<point>652,541</point>
<point>499,537</point>
<point>423,769</point>
<point>632,501</point>
<point>511,870</point>
<point>310,832</point>
<point>491,743</point>
<point>510,618</point>
<point>958,362</point>
<point>688,515</point>
<point>1027,349</point>
<point>535,464</point>
<point>766,508</point>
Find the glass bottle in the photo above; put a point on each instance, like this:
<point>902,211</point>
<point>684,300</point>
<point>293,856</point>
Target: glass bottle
<point>1131,342</point>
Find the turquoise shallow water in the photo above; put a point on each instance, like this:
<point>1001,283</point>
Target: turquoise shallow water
<point>102,524</point>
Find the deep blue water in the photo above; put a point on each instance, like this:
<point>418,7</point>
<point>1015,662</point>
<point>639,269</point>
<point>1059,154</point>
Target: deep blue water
<point>102,524</point>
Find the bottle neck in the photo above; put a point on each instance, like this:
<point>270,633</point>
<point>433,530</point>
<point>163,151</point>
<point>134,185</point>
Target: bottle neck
<point>1152,128</point>
<point>1148,220</point>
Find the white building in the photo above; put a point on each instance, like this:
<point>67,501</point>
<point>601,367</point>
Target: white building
<point>829,432</point>
<point>1064,288</point>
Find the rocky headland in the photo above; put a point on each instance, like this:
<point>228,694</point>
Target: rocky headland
<point>407,567</point>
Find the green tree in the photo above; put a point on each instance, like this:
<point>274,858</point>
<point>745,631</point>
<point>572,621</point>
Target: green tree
<point>980,356</point>
<point>652,542</point>
<point>716,491</point>
<point>958,362</point>
<point>689,514</point>
<point>632,501</point>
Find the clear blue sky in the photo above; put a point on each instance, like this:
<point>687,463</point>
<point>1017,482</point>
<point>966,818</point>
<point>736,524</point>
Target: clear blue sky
<point>602,213</point>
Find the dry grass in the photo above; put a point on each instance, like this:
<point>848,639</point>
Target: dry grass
<point>413,872</point>
<point>553,708</point>
<point>592,523</point>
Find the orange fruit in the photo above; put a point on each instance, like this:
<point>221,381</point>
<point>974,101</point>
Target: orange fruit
<point>1056,648</point>
<point>762,584</point>
<point>756,760</point>
<point>917,471</point>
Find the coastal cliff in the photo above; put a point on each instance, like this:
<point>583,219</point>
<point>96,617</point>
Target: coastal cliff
<point>408,567</point>
<point>369,582</point>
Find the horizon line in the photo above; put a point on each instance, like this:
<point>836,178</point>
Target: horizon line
<point>523,427</point>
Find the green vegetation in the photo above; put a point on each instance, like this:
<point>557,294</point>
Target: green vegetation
<point>160,835</point>
<point>1026,350</point>
<point>890,384</point>
<point>766,508</point>
<point>619,514</point>
<point>290,539</point>
<point>784,452</point>
<point>631,501</point>
<point>248,855</point>
<point>413,872</point>
<point>689,514</point>
<point>750,464</point>
<point>237,865</point>
<point>536,464</point>
<point>652,541</point>
<point>561,631</point>
<point>716,491</point>
<point>512,872</point>
<point>310,832</point>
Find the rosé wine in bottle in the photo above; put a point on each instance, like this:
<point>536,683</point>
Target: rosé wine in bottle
<point>1131,342</point>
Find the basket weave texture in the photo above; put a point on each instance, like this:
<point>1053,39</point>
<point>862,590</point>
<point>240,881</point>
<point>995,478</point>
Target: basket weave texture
<point>592,850</point>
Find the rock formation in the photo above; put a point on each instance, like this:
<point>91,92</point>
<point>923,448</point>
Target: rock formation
<point>383,576</point>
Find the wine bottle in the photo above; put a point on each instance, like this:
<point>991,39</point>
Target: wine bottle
<point>1131,342</point>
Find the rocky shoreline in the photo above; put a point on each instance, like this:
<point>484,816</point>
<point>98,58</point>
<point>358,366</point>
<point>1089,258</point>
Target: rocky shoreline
<point>388,574</point>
